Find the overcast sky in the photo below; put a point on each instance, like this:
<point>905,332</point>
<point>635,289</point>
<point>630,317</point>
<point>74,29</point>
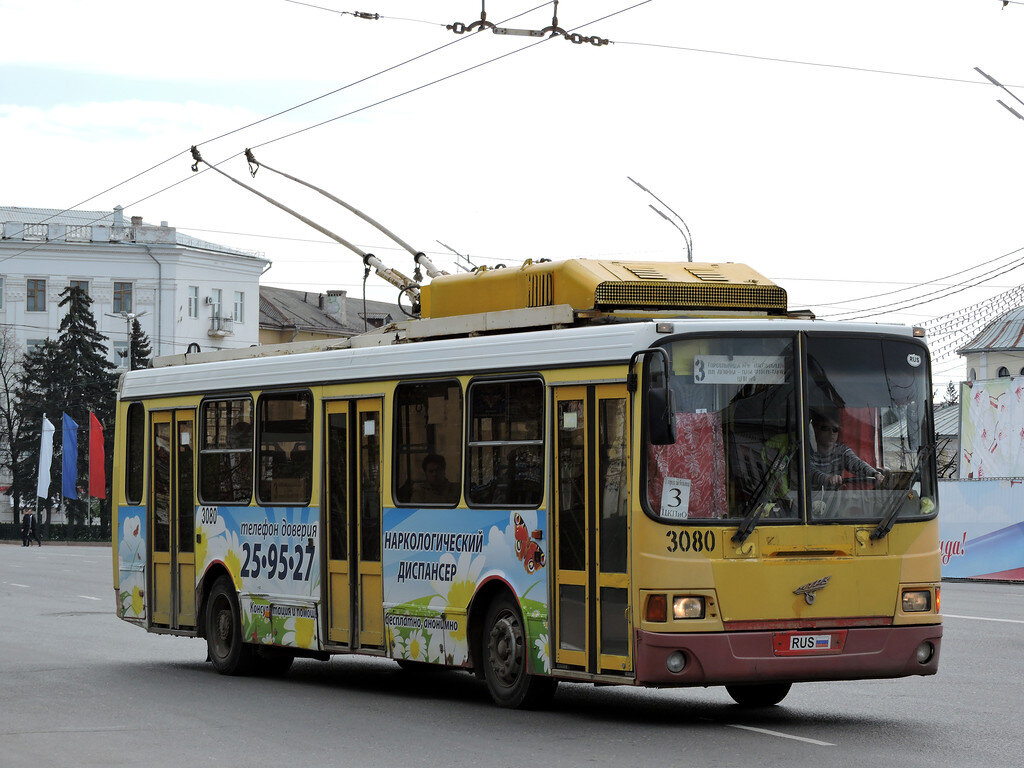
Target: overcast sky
<point>842,149</point>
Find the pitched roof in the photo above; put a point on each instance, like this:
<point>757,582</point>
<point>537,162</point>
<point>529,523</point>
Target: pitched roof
<point>1005,333</point>
<point>287,309</point>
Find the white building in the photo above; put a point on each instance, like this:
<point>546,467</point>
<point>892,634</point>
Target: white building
<point>998,351</point>
<point>182,290</point>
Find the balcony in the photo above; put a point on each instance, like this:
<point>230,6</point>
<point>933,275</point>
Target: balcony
<point>221,327</point>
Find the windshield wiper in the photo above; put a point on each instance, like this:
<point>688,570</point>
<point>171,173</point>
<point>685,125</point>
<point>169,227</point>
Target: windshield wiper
<point>896,503</point>
<point>754,510</point>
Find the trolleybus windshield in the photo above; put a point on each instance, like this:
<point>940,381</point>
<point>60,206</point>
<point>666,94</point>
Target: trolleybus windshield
<point>851,431</point>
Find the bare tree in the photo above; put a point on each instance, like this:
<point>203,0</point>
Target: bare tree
<point>10,419</point>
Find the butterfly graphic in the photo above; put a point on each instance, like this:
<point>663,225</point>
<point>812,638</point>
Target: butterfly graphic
<point>527,549</point>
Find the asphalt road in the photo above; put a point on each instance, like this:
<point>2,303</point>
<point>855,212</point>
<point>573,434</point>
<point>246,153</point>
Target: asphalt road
<point>80,688</point>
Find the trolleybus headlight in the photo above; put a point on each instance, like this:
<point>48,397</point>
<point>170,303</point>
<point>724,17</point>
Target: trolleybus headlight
<point>917,601</point>
<point>676,662</point>
<point>688,607</point>
<point>925,651</point>
<point>657,608</point>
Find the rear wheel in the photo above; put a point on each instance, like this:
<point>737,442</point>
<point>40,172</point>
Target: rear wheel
<point>764,695</point>
<point>505,660</point>
<point>230,656</point>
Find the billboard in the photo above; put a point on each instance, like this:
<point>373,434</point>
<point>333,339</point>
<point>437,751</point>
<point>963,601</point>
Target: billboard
<point>981,527</point>
<point>992,428</point>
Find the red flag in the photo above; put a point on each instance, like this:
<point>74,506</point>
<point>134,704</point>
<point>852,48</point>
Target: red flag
<point>97,477</point>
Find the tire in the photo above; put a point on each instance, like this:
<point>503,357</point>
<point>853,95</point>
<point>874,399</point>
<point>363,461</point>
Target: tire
<point>229,654</point>
<point>764,695</point>
<point>504,655</point>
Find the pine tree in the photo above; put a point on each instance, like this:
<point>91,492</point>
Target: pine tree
<point>89,378</point>
<point>72,375</point>
<point>952,396</point>
<point>139,349</point>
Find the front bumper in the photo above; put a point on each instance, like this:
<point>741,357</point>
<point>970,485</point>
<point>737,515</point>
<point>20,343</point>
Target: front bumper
<point>750,657</point>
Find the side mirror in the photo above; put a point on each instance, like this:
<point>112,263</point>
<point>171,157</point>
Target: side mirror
<point>661,416</point>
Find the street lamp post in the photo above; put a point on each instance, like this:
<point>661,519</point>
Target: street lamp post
<point>683,230</point>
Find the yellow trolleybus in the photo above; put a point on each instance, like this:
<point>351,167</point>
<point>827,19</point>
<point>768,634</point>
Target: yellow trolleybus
<point>607,472</point>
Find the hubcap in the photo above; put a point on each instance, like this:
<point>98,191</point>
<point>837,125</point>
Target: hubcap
<point>222,630</point>
<point>506,648</point>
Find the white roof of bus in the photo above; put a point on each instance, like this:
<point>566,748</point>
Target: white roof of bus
<point>535,350</point>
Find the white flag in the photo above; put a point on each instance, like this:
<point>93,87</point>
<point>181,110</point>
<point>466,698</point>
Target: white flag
<point>45,458</point>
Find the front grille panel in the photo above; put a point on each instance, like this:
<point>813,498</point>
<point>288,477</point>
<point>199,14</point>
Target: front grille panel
<point>677,295</point>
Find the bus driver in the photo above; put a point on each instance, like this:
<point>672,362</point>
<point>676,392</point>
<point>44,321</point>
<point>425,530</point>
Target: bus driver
<point>830,457</point>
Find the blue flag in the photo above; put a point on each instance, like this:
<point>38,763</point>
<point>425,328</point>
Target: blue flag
<point>69,467</point>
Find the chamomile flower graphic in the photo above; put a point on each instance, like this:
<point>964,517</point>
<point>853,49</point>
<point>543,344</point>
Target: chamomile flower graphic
<point>543,652</point>
<point>298,632</point>
<point>455,595</point>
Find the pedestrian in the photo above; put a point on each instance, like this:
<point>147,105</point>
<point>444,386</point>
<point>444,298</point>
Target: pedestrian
<point>33,530</point>
<point>26,528</point>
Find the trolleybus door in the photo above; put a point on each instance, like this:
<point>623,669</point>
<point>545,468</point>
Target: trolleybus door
<point>172,520</point>
<point>592,622</point>
<point>353,502</point>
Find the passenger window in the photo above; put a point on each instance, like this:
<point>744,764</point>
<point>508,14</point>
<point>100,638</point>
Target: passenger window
<point>428,443</point>
<point>135,453</point>
<point>225,456</point>
<point>286,448</point>
<point>506,443</point>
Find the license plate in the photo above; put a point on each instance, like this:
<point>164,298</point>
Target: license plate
<point>808,643</point>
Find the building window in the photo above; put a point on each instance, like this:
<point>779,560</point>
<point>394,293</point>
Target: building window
<point>972,375</point>
<point>35,296</point>
<point>31,345</point>
<point>428,443</point>
<point>225,455</point>
<point>1,293</point>
<point>193,301</point>
<point>82,284</point>
<point>122,297</point>
<point>217,295</point>
<point>286,448</point>
<point>238,315</point>
<point>1004,372</point>
<point>119,353</point>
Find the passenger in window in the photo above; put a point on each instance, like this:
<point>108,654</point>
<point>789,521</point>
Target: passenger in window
<point>240,435</point>
<point>830,457</point>
<point>302,459</point>
<point>437,487</point>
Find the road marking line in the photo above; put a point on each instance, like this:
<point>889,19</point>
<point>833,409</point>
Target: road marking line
<point>981,618</point>
<point>87,597</point>
<point>782,735</point>
<point>26,586</point>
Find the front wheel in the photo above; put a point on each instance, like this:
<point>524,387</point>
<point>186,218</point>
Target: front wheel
<point>229,654</point>
<point>505,660</point>
<point>764,695</point>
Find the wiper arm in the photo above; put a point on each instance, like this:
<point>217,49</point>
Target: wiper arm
<point>890,515</point>
<point>754,510</point>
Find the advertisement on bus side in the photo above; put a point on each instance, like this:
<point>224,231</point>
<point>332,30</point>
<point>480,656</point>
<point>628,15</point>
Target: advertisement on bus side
<point>434,563</point>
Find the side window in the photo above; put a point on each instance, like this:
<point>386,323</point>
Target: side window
<point>428,443</point>
<point>135,453</point>
<point>506,443</point>
<point>225,454</point>
<point>286,448</point>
